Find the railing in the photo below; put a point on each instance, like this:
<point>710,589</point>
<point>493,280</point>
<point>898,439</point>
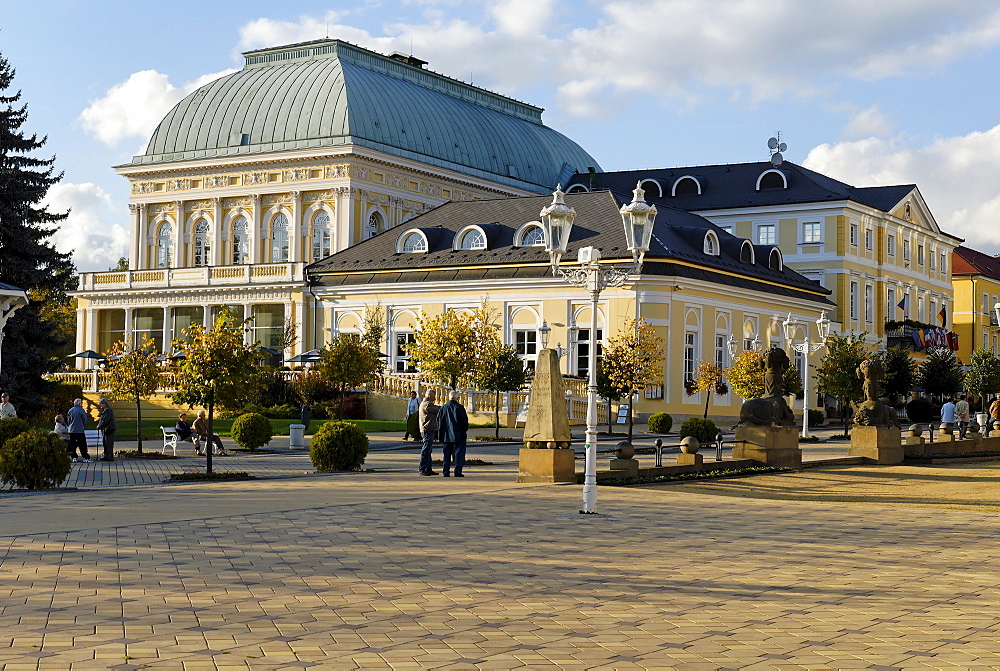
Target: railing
<point>263,273</point>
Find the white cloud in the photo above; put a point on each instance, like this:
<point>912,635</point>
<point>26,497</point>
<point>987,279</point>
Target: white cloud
<point>133,108</point>
<point>870,122</point>
<point>96,231</point>
<point>956,175</point>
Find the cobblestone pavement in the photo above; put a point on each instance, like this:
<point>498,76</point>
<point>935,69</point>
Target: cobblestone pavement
<point>387,569</point>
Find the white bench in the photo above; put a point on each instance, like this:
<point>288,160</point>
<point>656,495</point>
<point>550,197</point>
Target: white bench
<point>170,440</point>
<point>95,441</point>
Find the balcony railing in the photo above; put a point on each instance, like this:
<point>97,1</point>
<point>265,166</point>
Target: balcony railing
<point>260,274</point>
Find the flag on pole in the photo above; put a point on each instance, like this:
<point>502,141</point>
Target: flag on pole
<point>943,315</point>
<point>902,304</point>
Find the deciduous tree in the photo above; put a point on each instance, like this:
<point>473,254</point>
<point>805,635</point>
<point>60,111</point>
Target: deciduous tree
<point>448,347</point>
<point>899,371</point>
<point>633,359</point>
<point>837,373</point>
<point>500,370</point>
<point>746,376</point>
<point>133,374</point>
<point>348,362</point>
<point>983,377</point>
<point>940,373</point>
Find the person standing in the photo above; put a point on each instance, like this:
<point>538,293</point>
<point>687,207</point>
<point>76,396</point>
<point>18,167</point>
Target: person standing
<point>201,428</point>
<point>412,418</point>
<point>453,430</point>
<point>962,414</point>
<point>994,414</point>
<point>428,429</point>
<point>7,410</point>
<point>948,413</point>
<point>78,418</point>
<point>108,427</point>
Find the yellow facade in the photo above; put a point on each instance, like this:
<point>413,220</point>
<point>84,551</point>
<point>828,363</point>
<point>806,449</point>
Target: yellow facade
<point>976,295</point>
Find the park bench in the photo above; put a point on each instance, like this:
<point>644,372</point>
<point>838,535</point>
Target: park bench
<point>170,440</point>
<point>95,444</point>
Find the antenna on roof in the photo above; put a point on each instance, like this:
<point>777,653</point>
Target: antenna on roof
<point>776,146</point>
<point>328,29</point>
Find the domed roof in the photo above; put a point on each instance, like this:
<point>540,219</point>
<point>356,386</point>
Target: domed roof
<point>330,93</point>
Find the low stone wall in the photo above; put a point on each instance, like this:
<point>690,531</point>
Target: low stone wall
<point>955,448</point>
<point>653,471</point>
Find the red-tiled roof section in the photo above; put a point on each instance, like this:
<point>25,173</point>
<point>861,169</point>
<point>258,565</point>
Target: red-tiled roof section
<point>967,261</point>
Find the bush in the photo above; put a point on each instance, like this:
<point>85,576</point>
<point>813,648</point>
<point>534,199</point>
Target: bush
<point>58,400</point>
<point>11,427</point>
<point>34,460</point>
<point>251,430</point>
<point>816,417</point>
<point>275,412</point>
<point>659,422</point>
<point>920,410</point>
<point>338,446</point>
<point>702,429</point>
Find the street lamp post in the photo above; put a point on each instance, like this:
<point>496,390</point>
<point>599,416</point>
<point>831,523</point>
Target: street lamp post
<point>805,348</point>
<point>557,222</point>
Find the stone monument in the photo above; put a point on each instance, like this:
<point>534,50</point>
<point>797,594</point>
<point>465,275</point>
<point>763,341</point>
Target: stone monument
<point>547,455</point>
<point>876,431</point>
<point>767,431</point>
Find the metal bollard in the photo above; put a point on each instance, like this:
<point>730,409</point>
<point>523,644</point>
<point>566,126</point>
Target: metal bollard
<point>930,429</point>
<point>659,455</point>
<point>718,446</point>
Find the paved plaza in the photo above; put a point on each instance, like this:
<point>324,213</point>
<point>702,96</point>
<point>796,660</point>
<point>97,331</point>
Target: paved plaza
<point>385,569</point>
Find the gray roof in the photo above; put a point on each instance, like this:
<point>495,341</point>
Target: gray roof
<point>9,287</point>
<point>329,93</point>
<point>675,250</point>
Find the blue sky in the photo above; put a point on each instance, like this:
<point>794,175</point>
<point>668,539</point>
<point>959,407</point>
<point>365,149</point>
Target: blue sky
<point>887,92</point>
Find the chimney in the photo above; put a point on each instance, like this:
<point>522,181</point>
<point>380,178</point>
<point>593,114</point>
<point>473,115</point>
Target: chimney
<point>408,59</point>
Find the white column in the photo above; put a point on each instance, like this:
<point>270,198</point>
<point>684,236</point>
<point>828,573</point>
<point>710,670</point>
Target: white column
<point>167,329</point>
<point>134,235</point>
<point>206,316</point>
<point>295,235</point>
<point>300,328</point>
<point>128,326</point>
<point>179,260</point>
<point>92,327</point>
<point>142,239</point>
<point>217,237</point>
<point>81,335</point>
<point>255,230</point>
<point>343,220</point>
<point>247,313</point>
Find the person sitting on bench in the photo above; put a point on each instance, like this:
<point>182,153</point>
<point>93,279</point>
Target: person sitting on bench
<point>201,428</point>
<point>185,432</point>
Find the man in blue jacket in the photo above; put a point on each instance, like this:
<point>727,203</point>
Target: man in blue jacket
<point>453,430</point>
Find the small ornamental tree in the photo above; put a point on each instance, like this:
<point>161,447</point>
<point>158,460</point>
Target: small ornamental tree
<point>899,371</point>
<point>217,369</point>
<point>708,378</point>
<point>746,376</point>
<point>348,362</point>
<point>607,390</point>
<point>940,374</point>
<point>500,370</point>
<point>633,359</point>
<point>251,430</point>
<point>983,377</point>
<point>837,373</point>
<point>338,446</point>
<point>133,374</point>
<point>34,460</point>
<point>447,348</point>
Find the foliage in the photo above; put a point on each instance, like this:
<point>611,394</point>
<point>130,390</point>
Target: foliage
<point>348,362</point>
<point>983,376</point>
<point>837,373</point>
<point>121,266</point>
<point>276,411</point>
<point>271,388</point>
<point>448,347</point>
<point>252,431</point>
<point>632,360</point>
<point>338,446</point>
<point>218,368</point>
<point>59,399</point>
<point>940,373</point>
<point>12,426</point>
<point>816,417</point>
<point>899,371</point>
<point>134,375</point>
<point>892,325</point>
<point>34,460</point>
<point>699,427</point>
<point>35,337</point>
<point>920,410</point>
<point>708,378</point>
<point>500,370</point>
<point>746,375</point>
<point>659,422</point>
<point>312,388</point>
<point>607,390</point>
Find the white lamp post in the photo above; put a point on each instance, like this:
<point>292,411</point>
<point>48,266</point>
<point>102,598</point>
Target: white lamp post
<point>557,222</point>
<point>805,348</point>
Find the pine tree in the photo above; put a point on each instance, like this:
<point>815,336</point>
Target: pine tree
<point>28,259</point>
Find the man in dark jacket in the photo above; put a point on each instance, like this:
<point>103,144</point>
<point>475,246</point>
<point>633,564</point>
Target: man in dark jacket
<point>108,427</point>
<point>428,430</point>
<point>453,430</point>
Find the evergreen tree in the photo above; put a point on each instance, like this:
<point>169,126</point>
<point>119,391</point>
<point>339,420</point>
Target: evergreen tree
<point>941,374</point>
<point>899,372</point>
<point>27,258</point>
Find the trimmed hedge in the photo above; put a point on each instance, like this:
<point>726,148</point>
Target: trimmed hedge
<point>920,410</point>
<point>12,426</point>
<point>702,429</point>
<point>338,446</point>
<point>252,430</point>
<point>34,460</point>
<point>660,422</point>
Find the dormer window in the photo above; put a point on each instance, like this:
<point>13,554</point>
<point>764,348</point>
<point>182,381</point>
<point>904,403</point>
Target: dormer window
<point>746,252</point>
<point>711,243</point>
<point>771,179</point>
<point>687,186</point>
<point>651,188</point>
<point>412,242</point>
<point>530,235</point>
<point>774,261</point>
<point>471,237</point>
<point>577,188</point>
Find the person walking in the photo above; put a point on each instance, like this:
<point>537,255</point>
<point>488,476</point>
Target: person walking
<point>108,427</point>
<point>412,418</point>
<point>962,415</point>
<point>453,430</point>
<point>201,428</point>
<point>7,410</point>
<point>948,413</point>
<point>428,429</point>
<point>77,424</point>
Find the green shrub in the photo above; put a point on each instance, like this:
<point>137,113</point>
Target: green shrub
<point>275,412</point>
<point>338,446</point>
<point>920,410</point>
<point>252,430</point>
<point>12,426</point>
<point>816,417</point>
<point>702,429</point>
<point>34,460</point>
<point>660,422</point>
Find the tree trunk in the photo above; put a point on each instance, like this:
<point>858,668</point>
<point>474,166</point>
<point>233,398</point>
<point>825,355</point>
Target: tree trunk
<point>340,413</point>
<point>211,418</point>
<point>630,420</point>
<point>609,414</point>
<point>708,399</point>
<point>843,416</point>
<point>138,421</point>
<point>496,411</point>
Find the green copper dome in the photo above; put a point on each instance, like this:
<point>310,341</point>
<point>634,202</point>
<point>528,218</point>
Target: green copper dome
<point>330,93</point>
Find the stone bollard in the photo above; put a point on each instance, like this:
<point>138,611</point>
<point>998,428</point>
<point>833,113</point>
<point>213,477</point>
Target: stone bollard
<point>296,436</point>
<point>947,433</point>
<point>689,453</point>
<point>624,461</point>
<point>914,435</point>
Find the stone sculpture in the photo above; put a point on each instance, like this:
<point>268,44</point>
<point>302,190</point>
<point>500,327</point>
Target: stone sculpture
<point>771,409</point>
<point>872,411</point>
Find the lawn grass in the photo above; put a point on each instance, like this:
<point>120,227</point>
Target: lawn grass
<point>151,427</point>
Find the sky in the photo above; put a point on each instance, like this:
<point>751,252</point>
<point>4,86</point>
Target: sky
<point>870,93</point>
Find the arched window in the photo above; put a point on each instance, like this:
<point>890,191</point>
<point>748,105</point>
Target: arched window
<point>687,186</point>
<point>279,239</point>
<point>374,226</point>
<point>241,241</point>
<point>772,179</point>
<point>413,242</point>
<point>472,238</point>
<point>746,252</point>
<point>774,260</point>
<point>711,244</point>
<point>164,245</point>
<point>652,189</point>
<point>321,235</point>
<point>532,236</point>
<point>577,188</point>
<point>202,246</point>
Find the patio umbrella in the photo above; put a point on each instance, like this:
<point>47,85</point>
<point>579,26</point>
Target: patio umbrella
<point>311,356</point>
<point>267,351</point>
<point>86,354</point>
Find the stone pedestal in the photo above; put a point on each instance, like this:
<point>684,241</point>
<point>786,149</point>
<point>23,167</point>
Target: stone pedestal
<point>881,445</point>
<point>690,459</point>
<point>776,446</point>
<point>629,467</point>
<point>544,465</point>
